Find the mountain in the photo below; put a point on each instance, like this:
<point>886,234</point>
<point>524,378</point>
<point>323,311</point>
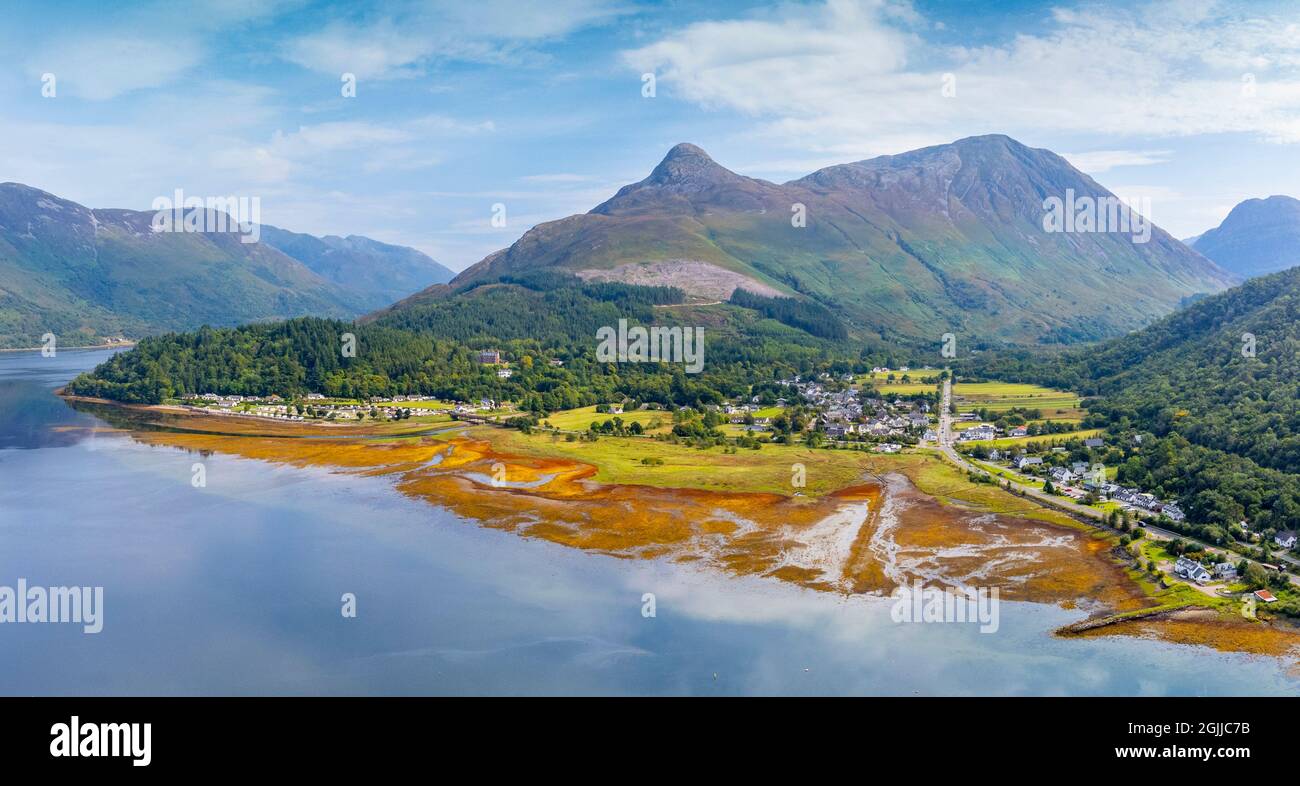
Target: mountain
<point>1259,236</point>
<point>87,275</point>
<point>383,272</point>
<point>944,239</point>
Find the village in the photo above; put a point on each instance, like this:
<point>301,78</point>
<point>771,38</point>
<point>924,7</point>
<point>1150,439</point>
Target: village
<point>1075,470</point>
<point>1081,479</point>
<point>317,406</point>
<point>847,412</point>
<point>885,412</point>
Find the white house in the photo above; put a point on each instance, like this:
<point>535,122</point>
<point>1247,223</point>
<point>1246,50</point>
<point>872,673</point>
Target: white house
<point>1286,539</point>
<point>1225,571</point>
<point>982,431</point>
<point>1191,570</point>
<point>1061,475</point>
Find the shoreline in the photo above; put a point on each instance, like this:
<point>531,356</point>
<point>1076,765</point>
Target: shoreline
<point>578,495</point>
<point>271,427</point>
<point>122,344</point>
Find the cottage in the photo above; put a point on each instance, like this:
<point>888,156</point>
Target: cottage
<point>504,373</point>
<point>1225,571</point>
<point>1286,539</point>
<point>1265,596</point>
<point>1093,442</point>
<point>1028,461</point>
<point>1191,570</point>
<point>1061,475</point>
<point>1018,431</point>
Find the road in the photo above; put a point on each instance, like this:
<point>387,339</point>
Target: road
<point>946,442</point>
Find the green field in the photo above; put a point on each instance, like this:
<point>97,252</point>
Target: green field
<point>898,387</point>
<point>438,405</point>
<point>619,460</point>
<point>1002,396</point>
<point>580,419</point>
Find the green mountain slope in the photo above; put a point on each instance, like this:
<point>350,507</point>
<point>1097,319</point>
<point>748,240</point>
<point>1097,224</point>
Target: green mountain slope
<point>431,349</point>
<point>944,239</point>
<point>382,272</point>
<point>85,274</point>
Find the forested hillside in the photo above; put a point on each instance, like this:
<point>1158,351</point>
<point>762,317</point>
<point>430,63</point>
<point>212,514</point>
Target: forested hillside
<point>1215,385</point>
<point>431,349</point>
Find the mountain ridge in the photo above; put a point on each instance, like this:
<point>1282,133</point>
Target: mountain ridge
<point>88,275</point>
<point>947,238</point>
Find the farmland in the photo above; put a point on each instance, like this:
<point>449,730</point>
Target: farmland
<point>1002,396</point>
<point>580,419</point>
<point>899,387</point>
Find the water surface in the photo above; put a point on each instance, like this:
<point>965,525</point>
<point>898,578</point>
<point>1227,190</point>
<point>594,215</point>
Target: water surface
<point>234,588</point>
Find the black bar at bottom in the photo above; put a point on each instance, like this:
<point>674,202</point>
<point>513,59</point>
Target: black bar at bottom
<point>765,736</point>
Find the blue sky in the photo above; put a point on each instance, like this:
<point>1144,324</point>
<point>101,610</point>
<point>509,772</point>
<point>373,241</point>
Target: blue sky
<point>1191,106</point>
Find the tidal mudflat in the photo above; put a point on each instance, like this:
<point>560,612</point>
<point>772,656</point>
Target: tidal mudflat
<point>234,588</point>
<point>887,522</point>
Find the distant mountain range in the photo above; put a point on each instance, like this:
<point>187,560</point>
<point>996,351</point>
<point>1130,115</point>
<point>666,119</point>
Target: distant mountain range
<point>1259,236</point>
<point>944,239</point>
<point>87,275</point>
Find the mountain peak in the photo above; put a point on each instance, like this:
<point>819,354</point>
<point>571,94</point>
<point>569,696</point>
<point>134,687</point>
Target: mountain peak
<point>686,150</point>
<point>1259,236</point>
<point>687,172</point>
<point>687,163</point>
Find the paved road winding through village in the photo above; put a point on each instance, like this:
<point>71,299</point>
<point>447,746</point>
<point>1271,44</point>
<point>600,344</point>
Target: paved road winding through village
<point>1051,500</point>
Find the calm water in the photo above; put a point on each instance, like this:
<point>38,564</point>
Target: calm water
<point>235,589</point>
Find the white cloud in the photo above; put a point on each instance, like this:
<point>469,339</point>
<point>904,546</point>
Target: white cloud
<point>135,47</point>
<point>101,67</point>
<point>403,42</point>
<point>1098,161</point>
<point>854,76</point>
<point>382,50</point>
<point>341,145</point>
